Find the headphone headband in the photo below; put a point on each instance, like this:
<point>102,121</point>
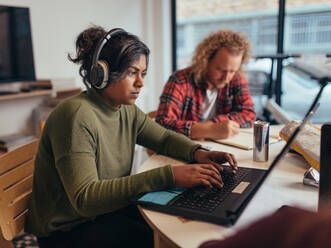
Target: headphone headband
<point>99,71</point>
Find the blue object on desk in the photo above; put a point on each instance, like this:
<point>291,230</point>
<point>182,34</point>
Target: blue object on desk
<point>161,197</point>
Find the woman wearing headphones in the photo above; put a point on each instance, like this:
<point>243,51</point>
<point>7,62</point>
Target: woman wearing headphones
<point>82,183</point>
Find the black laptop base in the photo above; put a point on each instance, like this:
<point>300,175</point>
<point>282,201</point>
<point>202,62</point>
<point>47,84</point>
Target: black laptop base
<point>218,206</point>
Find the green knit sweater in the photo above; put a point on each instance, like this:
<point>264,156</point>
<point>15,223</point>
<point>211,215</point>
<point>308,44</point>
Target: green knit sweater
<point>85,157</point>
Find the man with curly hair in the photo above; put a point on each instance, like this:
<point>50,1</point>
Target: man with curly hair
<point>210,98</point>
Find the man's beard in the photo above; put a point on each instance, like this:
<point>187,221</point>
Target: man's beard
<point>220,84</point>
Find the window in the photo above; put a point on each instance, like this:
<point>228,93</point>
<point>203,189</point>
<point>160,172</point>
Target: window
<point>307,31</point>
<point>196,19</point>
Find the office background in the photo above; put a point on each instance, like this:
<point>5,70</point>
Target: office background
<point>301,27</point>
<point>56,24</point>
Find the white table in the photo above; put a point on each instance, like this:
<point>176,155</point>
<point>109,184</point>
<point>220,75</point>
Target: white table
<point>282,187</point>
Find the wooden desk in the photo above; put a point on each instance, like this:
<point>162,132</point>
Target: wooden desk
<point>282,187</point>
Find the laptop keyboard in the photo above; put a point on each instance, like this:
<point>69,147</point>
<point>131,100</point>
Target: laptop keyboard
<point>207,199</point>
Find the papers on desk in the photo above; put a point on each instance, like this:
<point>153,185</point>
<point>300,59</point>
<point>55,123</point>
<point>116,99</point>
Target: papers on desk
<point>245,139</point>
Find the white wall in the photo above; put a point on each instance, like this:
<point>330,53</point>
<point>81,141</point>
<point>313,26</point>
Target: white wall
<point>156,33</point>
<point>56,24</point>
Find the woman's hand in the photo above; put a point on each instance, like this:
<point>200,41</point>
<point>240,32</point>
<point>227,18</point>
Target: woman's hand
<point>215,158</point>
<point>206,172</point>
<point>191,175</point>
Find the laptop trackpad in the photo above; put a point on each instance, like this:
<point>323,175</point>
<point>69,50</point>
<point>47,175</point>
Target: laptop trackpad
<point>240,187</point>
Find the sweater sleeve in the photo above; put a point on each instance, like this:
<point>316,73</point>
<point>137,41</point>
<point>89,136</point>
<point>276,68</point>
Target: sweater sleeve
<point>90,196</point>
<point>164,141</point>
<point>75,149</point>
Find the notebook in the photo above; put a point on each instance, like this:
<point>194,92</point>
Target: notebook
<point>244,139</point>
<point>219,206</point>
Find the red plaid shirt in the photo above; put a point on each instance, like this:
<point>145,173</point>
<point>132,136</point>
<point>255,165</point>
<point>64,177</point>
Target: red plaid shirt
<point>181,101</point>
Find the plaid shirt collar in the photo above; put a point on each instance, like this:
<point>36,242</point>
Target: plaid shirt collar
<point>202,84</point>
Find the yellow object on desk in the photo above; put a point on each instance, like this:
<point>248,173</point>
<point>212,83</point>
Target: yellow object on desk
<point>307,143</point>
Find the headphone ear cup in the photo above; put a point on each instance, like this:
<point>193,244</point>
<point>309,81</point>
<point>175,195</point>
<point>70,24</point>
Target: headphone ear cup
<point>95,76</point>
<point>99,75</point>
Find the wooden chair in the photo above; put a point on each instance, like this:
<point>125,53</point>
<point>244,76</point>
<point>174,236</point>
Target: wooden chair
<point>16,174</point>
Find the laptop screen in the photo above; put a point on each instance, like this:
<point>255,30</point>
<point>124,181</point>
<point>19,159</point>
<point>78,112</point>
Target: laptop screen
<point>290,141</point>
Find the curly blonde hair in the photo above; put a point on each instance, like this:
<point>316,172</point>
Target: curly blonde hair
<point>235,43</point>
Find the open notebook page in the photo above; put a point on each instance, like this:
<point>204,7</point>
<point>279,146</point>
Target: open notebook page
<point>244,139</point>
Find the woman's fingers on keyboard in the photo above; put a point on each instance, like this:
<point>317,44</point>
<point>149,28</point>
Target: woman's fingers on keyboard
<point>205,182</point>
<point>210,167</point>
<point>216,165</point>
<point>215,174</point>
<point>212,180</point>
<point>232,160</point>
<point>196,174</point>
<point>210,173</point>
<point>201,174</point>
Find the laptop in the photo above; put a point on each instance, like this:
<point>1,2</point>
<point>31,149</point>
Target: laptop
<point>325,167</point>
<point>220,206</point>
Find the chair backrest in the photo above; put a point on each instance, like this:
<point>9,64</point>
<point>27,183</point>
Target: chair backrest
<point>16,174</point>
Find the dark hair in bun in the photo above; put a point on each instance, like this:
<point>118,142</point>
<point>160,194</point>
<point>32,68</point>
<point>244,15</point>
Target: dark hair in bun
<point>119,52</point>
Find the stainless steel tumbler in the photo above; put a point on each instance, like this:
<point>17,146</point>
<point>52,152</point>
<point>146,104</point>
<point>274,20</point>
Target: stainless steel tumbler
<point>261,141</point>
